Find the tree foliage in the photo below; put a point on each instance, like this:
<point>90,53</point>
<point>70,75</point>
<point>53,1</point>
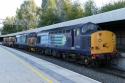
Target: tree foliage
<point>90,8</point>
<point>28,15</point>
<point>48,4</point>
<point>76,12</point>
<point>67,10</point>
<point>52,15</point>
<point>113,6</point>
<point>48,17</point>
<point>9,25</point>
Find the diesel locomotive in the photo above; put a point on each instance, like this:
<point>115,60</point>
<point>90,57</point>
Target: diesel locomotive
<point>84,43</point>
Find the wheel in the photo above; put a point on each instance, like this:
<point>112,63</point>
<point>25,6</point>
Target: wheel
<point>63,56</point>
<point>54,53</point>
<point>87,62</point>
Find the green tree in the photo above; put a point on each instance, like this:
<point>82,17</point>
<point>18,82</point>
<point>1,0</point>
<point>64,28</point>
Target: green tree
<point>49,4</point>
<point>67,10</point>
<point>90,8</point>
<point>48,17</point>
<point>113,6</point>
<point>76,11</point>
<point>9,25</point>
<point>48,13</point>
<point>28,15</point>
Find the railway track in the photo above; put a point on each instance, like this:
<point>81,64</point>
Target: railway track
<point>105,75</point>
<point>116,68</point>
<point>113,70</point>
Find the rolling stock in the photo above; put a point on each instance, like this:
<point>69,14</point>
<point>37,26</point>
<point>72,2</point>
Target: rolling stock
<point>85,43</point>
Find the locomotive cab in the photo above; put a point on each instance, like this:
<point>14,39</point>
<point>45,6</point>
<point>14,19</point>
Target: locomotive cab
<point>103,43</point>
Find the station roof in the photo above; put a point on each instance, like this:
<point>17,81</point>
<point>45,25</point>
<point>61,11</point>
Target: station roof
<point>110,16</point>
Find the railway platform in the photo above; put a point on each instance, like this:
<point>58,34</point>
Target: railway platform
<point>19,67</point>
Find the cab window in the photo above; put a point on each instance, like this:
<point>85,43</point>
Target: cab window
<point>77,32</point>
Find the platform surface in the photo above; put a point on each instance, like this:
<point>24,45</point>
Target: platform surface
<point>19,67</point>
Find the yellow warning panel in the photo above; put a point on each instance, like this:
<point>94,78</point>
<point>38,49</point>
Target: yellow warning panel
<point>103,42</point>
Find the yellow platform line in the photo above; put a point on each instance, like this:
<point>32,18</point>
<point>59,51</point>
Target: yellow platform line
<point>33,69</point>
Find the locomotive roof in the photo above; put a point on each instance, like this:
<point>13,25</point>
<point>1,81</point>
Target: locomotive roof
<point>85,26</point>
<point>115,15</point>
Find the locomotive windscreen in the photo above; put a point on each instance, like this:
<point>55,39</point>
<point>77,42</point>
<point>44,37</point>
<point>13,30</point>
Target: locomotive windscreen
<point>33,34</point>
<point>89,28</point>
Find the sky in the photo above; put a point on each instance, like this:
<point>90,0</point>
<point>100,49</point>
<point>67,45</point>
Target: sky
<point>8,7</point>
<point>99,3</point>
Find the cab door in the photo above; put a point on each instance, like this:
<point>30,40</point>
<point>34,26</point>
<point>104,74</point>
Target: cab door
<point>72,35</point>
<point>77,38</point>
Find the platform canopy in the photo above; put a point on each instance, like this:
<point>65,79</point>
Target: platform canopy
<point>115,15</point>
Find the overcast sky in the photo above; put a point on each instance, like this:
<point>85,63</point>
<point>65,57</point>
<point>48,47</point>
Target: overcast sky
<point>8,7</point>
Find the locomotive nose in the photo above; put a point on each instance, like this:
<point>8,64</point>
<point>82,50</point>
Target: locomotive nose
<point>103,42</point>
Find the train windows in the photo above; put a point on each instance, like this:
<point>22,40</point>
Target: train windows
<point>67,31</point>
<point>60,31</point>
<point>89,28</point>
<point>78,32</point>
<point>75,32</point>
<point>63,31</point>
<point>51,32</point>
